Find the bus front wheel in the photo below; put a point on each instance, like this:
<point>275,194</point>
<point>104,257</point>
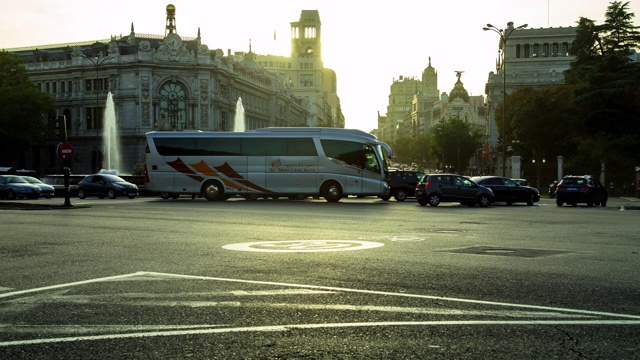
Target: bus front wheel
<point>213,191</point>
<point>332,192</point>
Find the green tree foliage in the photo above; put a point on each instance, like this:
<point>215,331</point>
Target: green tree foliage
<point>607,92</point>
<point>544,121</point>
<point>454,143</point>
<point>412,150</point>
<point>23,110</point>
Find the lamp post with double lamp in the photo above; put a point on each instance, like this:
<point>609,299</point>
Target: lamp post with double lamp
<point>504,36</point>
<point>97,62</point>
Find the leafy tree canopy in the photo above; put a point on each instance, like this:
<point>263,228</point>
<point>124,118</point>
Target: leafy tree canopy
<point>23,110</point>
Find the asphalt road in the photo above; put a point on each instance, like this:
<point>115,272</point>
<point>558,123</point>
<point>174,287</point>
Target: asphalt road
<point>279,279</point>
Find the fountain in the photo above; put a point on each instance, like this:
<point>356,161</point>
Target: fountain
<point>238,121</point>
<point>110,139</point>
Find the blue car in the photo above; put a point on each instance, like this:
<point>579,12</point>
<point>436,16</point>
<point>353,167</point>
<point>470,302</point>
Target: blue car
<point>15,187</point>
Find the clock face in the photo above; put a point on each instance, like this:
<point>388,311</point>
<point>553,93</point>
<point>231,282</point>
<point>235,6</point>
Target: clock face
<point>308,50</point>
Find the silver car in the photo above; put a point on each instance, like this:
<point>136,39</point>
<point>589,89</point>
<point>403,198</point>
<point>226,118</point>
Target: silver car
<point>15,187</point>
<point>47,190</point>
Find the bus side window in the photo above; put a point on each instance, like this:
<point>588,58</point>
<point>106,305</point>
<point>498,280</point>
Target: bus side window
<point>301,147</point>
<point>350,152</point>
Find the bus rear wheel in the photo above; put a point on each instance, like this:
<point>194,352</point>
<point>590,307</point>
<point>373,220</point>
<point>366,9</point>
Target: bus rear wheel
<point>332,192</point>
<point>213,191</point>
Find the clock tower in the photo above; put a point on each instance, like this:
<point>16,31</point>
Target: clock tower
<point>305,36</point>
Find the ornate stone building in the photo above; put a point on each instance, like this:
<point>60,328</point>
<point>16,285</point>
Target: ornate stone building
<point>168,82</point>
<point>306,73</point>
<point>533,57</point>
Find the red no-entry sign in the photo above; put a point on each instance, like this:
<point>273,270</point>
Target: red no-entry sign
<point>65,151</point>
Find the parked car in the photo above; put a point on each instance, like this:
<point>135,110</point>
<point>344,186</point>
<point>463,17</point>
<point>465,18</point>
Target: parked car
<point>47,190</point>
<point>507,190</point>
<point>581,189</point>
<point>15,187</point>
<point>436,188</point>
<point>102,185</point>
<point>403,184</point>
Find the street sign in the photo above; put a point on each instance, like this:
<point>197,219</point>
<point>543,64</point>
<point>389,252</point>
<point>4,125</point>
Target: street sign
<point>65,151</point>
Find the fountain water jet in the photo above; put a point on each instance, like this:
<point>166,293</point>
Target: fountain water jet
<point>110,138</point>
<point>238,121</point>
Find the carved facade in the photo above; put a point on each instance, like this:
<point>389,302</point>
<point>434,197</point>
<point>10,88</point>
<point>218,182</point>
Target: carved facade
<point>165,82</point>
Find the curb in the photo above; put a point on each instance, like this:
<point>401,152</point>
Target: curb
<point>629,207</point>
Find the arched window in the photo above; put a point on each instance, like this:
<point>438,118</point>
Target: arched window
<point>173,106</point>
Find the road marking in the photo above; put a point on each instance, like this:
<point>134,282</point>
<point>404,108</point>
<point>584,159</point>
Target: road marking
<point>572,316</point>
<point>108,278</point>
<point>303,246</point>
<point>375,292</point>
<point>277,328</point>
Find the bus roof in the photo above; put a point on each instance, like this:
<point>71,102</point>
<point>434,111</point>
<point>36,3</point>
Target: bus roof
<point>271,130</point>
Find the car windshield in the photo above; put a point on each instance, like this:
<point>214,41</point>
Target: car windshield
<point>16,180</point>
<point>572,181</point>
<point>32,180</point>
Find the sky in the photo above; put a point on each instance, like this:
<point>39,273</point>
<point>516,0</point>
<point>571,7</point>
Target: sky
<point>368,46</point>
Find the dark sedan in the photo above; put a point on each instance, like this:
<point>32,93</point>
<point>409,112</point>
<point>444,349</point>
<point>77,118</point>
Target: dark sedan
<point>102,185</point>
<point>508,191</point>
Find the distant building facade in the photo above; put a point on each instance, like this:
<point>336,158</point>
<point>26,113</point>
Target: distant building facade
<point>416,105</point>
<point>533,58</point>
<point>168,82</point>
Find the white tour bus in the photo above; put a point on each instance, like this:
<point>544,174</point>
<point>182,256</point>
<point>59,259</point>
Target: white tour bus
<point>269,162</point>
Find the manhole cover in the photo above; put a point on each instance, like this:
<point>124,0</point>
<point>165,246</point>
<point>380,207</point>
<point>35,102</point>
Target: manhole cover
<point>500,251</point>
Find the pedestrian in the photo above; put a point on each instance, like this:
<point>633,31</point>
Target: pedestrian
<point>624,189</point>
<point>612,188</point>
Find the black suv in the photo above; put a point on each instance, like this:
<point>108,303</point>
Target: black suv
<point>436,188</point>
<point>581,189</point>
<point>403,184</point>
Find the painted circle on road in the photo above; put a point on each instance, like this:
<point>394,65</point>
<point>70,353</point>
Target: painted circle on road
<point>303,246</point>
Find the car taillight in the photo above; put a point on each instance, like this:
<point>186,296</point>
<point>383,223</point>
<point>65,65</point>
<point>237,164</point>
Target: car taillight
<point>428,184</point>
<point>146,174</point>
<point>559,186</point>
<point>584,186</point>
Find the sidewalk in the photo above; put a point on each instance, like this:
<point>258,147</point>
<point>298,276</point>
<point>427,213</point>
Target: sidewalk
<point>634,206</point>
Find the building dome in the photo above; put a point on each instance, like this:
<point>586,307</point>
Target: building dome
<point>459,91</point>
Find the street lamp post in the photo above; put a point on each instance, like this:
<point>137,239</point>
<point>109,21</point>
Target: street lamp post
<point>97,62</point>
<point>504,36</point>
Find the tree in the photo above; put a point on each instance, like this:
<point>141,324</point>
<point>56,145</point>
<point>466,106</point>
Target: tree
<point>544,121</point>
<point>24,111</point>
<point>606,100</point>
<point>455,143</point>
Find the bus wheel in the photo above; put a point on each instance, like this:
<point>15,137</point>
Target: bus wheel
<point>213,191</point>
<point>332,192</point>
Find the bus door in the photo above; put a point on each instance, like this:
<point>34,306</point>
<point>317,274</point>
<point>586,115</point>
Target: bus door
<point>372,178</point>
